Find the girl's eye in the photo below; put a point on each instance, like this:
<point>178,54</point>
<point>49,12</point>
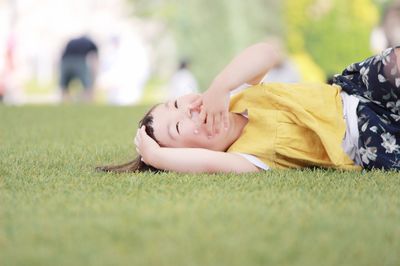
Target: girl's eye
<point>176,104</point>
<point>177,127</point>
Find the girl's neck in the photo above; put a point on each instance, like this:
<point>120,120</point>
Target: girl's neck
<point>237,122</point>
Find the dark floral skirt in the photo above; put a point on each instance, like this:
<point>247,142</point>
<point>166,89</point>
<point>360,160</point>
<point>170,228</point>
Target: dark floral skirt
<point>376,82</point>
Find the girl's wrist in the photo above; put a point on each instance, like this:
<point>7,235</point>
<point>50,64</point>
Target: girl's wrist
<point>222,84</point>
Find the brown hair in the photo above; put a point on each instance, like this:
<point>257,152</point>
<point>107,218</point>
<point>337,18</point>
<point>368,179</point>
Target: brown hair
<point>137,165</point>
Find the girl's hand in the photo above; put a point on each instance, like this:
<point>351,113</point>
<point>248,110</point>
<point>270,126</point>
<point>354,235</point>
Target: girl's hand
<point>145,145</point>
<point>195,102</point>
<point>214,110</point>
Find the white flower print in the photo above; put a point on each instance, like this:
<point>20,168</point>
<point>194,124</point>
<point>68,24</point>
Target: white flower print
<point>350,77</point>
<point>368,153</point>
<point>384,120</point>
<point>381,78</point>
<point>364,126</point>
<point>394,106</point>
<point>389,143</point>
<point>364,74</point>
<point>395,163</point>
<point>377,102</point>
<point>387,96</point>
<point>397,81</point>
<point>373,129</point>
<point>384,57</point>
<point>367,96</point>
<point>351,67</point>
<point>395,117</point>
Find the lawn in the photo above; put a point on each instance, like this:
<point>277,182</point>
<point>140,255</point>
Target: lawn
<point>56,210</point>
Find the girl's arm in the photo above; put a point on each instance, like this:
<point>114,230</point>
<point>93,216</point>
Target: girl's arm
<point>189,160</point>
<point>195,160</point>
<point>250,66</point>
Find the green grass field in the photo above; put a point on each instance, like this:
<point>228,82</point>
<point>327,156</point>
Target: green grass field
<point>56,210</point>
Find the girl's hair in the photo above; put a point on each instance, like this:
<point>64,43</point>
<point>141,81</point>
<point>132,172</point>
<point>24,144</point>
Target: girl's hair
<point>137,165</point>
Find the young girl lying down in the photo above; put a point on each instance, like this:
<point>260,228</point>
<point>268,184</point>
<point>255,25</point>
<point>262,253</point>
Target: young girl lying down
<point>352,124</point>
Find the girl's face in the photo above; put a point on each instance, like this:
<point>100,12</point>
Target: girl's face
<point>174,127</point>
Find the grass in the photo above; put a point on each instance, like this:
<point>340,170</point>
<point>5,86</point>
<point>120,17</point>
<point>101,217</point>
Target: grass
<point>56,210</point>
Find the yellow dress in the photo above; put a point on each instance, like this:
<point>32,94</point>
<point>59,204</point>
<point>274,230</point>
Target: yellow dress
<point>292,125</point>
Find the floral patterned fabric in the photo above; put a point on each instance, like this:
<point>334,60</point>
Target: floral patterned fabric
<point>376,82</point>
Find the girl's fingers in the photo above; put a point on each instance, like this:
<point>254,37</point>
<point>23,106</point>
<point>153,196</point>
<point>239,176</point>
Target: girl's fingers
<point>217,123</point>
<point>225,118</point>
<point>209,125</point>
<point>142,131</point>
<point>137,142</point>
<point>196,103</point>
<point>200,121</point>
<point>202,117</point>
<point>137,137</point>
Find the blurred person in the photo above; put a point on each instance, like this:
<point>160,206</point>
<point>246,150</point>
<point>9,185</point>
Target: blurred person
<point>391,24</point>
<point>79,60</point>
<point>182,81</point>
<point>387,34</point>
<point>125,69</point>
<point>9,91</point>
<point>285,71</point>
<point>353,124</point>
<point>2,87</point>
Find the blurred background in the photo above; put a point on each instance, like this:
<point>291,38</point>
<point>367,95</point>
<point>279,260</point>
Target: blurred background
<point>144,51</point>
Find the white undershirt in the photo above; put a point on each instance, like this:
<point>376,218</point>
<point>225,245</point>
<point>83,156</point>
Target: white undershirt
<point>350,140</point>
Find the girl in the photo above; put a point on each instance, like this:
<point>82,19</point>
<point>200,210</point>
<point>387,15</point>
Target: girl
<point>351,124</point>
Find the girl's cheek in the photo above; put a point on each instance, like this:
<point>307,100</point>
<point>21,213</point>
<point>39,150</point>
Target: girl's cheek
<point>190,127</point>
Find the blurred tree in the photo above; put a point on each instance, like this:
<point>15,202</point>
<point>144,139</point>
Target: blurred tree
<point>323,36</point>
<point>334,32</point>
<point>382,4</point>
<point>211,32</point>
